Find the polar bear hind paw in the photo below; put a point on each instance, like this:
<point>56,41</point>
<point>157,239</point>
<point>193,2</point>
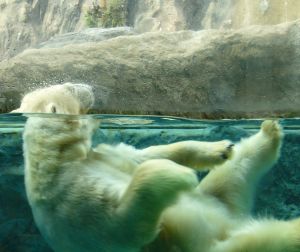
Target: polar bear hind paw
<point>272,129</point>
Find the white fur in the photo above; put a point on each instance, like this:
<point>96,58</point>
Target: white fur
<point>120,199</point>
<point>68,98</point>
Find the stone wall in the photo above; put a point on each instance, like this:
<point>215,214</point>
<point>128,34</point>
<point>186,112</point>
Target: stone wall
<point>173,15</point>
<point>253,72</point>
<point>26,23</point>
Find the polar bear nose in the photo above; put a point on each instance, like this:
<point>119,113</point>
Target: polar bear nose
<point>53,109</point>
<point>50,108</point>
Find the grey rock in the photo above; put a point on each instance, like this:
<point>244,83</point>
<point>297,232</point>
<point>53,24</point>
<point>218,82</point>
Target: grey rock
<point>177,15</point>
<point>24,24</point>
<point>86,36</point>
<point>252,72</point>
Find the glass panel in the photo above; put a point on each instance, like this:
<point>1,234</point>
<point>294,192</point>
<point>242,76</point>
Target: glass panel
<point>153,73</point>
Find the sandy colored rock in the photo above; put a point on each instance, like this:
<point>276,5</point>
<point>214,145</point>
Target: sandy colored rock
<point>252,72</point>
<point>174,15</point>
<point>25,24</point>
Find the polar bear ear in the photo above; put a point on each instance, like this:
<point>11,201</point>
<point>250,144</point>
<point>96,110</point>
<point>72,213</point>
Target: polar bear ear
<point>83,93</point>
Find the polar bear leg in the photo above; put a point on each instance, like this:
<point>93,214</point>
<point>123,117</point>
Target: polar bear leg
<point>194,154</point>
<point>263,235</point>
<point>154,187</point>
<point>234,182</point>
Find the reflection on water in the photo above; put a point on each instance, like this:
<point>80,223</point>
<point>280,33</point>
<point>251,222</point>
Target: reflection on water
<point>11,122</point>
<point>278,194</point>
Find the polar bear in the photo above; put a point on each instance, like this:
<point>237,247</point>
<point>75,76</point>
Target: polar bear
<point>123,199</point>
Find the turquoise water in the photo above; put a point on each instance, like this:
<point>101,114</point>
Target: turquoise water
<point>278,193</point>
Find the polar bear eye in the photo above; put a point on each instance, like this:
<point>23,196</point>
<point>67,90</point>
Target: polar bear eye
<point>53,109</point>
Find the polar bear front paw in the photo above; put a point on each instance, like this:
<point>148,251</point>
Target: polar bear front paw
<point>226,151</point>
<point>219,152</point>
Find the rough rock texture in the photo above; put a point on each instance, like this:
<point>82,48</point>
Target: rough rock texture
<point>278,193</point>
<point>248,72</point>
<point>25,23</point>
<point>173,15</point>
<point>86,36</point>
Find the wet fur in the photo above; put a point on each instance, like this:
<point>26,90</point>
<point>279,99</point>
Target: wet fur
<point>121,199</point>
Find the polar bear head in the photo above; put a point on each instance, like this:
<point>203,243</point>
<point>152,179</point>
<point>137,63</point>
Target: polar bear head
<point>66,98</point>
